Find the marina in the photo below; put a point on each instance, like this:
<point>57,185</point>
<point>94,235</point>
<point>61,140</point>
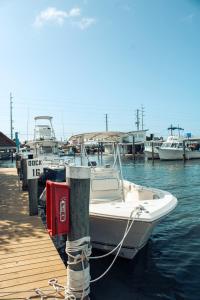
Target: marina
<point>168,265</point>
<point>100,150</point>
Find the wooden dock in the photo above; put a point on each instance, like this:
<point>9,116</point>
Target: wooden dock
<point>28,258</point>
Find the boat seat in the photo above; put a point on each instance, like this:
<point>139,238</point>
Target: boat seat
<point>105,184</point>
<point>105,188</point>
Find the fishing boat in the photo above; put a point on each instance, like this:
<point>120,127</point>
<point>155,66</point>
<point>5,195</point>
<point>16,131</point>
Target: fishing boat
<point>44,141</point>
<point>171,149</point>
<point>178,147</point>
<point>123,214</point>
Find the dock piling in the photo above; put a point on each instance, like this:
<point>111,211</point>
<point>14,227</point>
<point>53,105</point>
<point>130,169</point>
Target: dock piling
<point>24,174</point>
<point>184,156</point>
<point>133,147</point>
<point>152,151</point>
<point>33,196</point>
<point>78,243</point>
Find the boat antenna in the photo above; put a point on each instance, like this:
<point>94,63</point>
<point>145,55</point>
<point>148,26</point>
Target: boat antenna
<point>171,128</point>
<point>179,129</point>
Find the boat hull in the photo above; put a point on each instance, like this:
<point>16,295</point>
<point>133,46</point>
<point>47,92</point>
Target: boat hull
<point>178,154</point>
<point>148,154</point>
<point>106,233</point>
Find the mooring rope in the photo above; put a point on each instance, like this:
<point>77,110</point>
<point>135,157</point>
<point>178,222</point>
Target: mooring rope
<point>129,225</point>
<point>78,282</point>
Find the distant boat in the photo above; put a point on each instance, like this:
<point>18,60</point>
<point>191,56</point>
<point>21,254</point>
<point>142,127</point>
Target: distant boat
<point>173,148</point>
<point>177,146</point>
<point>151,148</point>
<point>44,141</point>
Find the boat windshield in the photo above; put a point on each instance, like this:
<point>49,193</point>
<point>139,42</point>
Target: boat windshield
<point>172,145</point>
<point>43,133</point>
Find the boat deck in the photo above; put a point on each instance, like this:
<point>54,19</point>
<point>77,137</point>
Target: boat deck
<point>28,258</point>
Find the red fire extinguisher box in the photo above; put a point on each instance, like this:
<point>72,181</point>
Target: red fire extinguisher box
<point>57,207</point>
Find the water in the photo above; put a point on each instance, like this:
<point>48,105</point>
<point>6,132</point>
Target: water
<point>168,267</point>
<point>7,163</point>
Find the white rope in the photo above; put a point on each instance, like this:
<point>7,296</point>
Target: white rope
<point>78,282</point>
<point>130,222</point>
<point>41,293</point>
<point>54,283</point>
<point>127,229</point>
<point>82,245</point>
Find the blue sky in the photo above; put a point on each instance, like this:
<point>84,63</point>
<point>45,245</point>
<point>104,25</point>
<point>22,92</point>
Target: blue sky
<point>79,60</point>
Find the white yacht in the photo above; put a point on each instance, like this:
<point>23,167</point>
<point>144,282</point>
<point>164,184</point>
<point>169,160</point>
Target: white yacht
<point>177,148</point>
<point>44,141</point>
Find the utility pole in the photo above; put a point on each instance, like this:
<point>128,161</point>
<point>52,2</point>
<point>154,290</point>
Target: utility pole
<point>11,119</point>
<point>27,125</point>
<point>137,123</point>
<point>142,116</point>
<point>106,122</point>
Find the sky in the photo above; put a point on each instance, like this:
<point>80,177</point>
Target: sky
<point>80,60</point>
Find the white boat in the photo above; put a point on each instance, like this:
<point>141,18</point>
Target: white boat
<point>123,214</point>
<point>151,149</point>
<point>44,142</point>
<point>174,149</point>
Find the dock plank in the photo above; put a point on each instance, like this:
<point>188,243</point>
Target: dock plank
<point>28,258</point>
<point>24,291</point>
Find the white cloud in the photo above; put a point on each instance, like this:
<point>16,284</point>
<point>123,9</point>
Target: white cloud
<point>84,23</point>
<point>74,12</point>
<point>53,15</point>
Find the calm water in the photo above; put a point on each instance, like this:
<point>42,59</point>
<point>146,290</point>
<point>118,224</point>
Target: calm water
<point>169,266</point>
